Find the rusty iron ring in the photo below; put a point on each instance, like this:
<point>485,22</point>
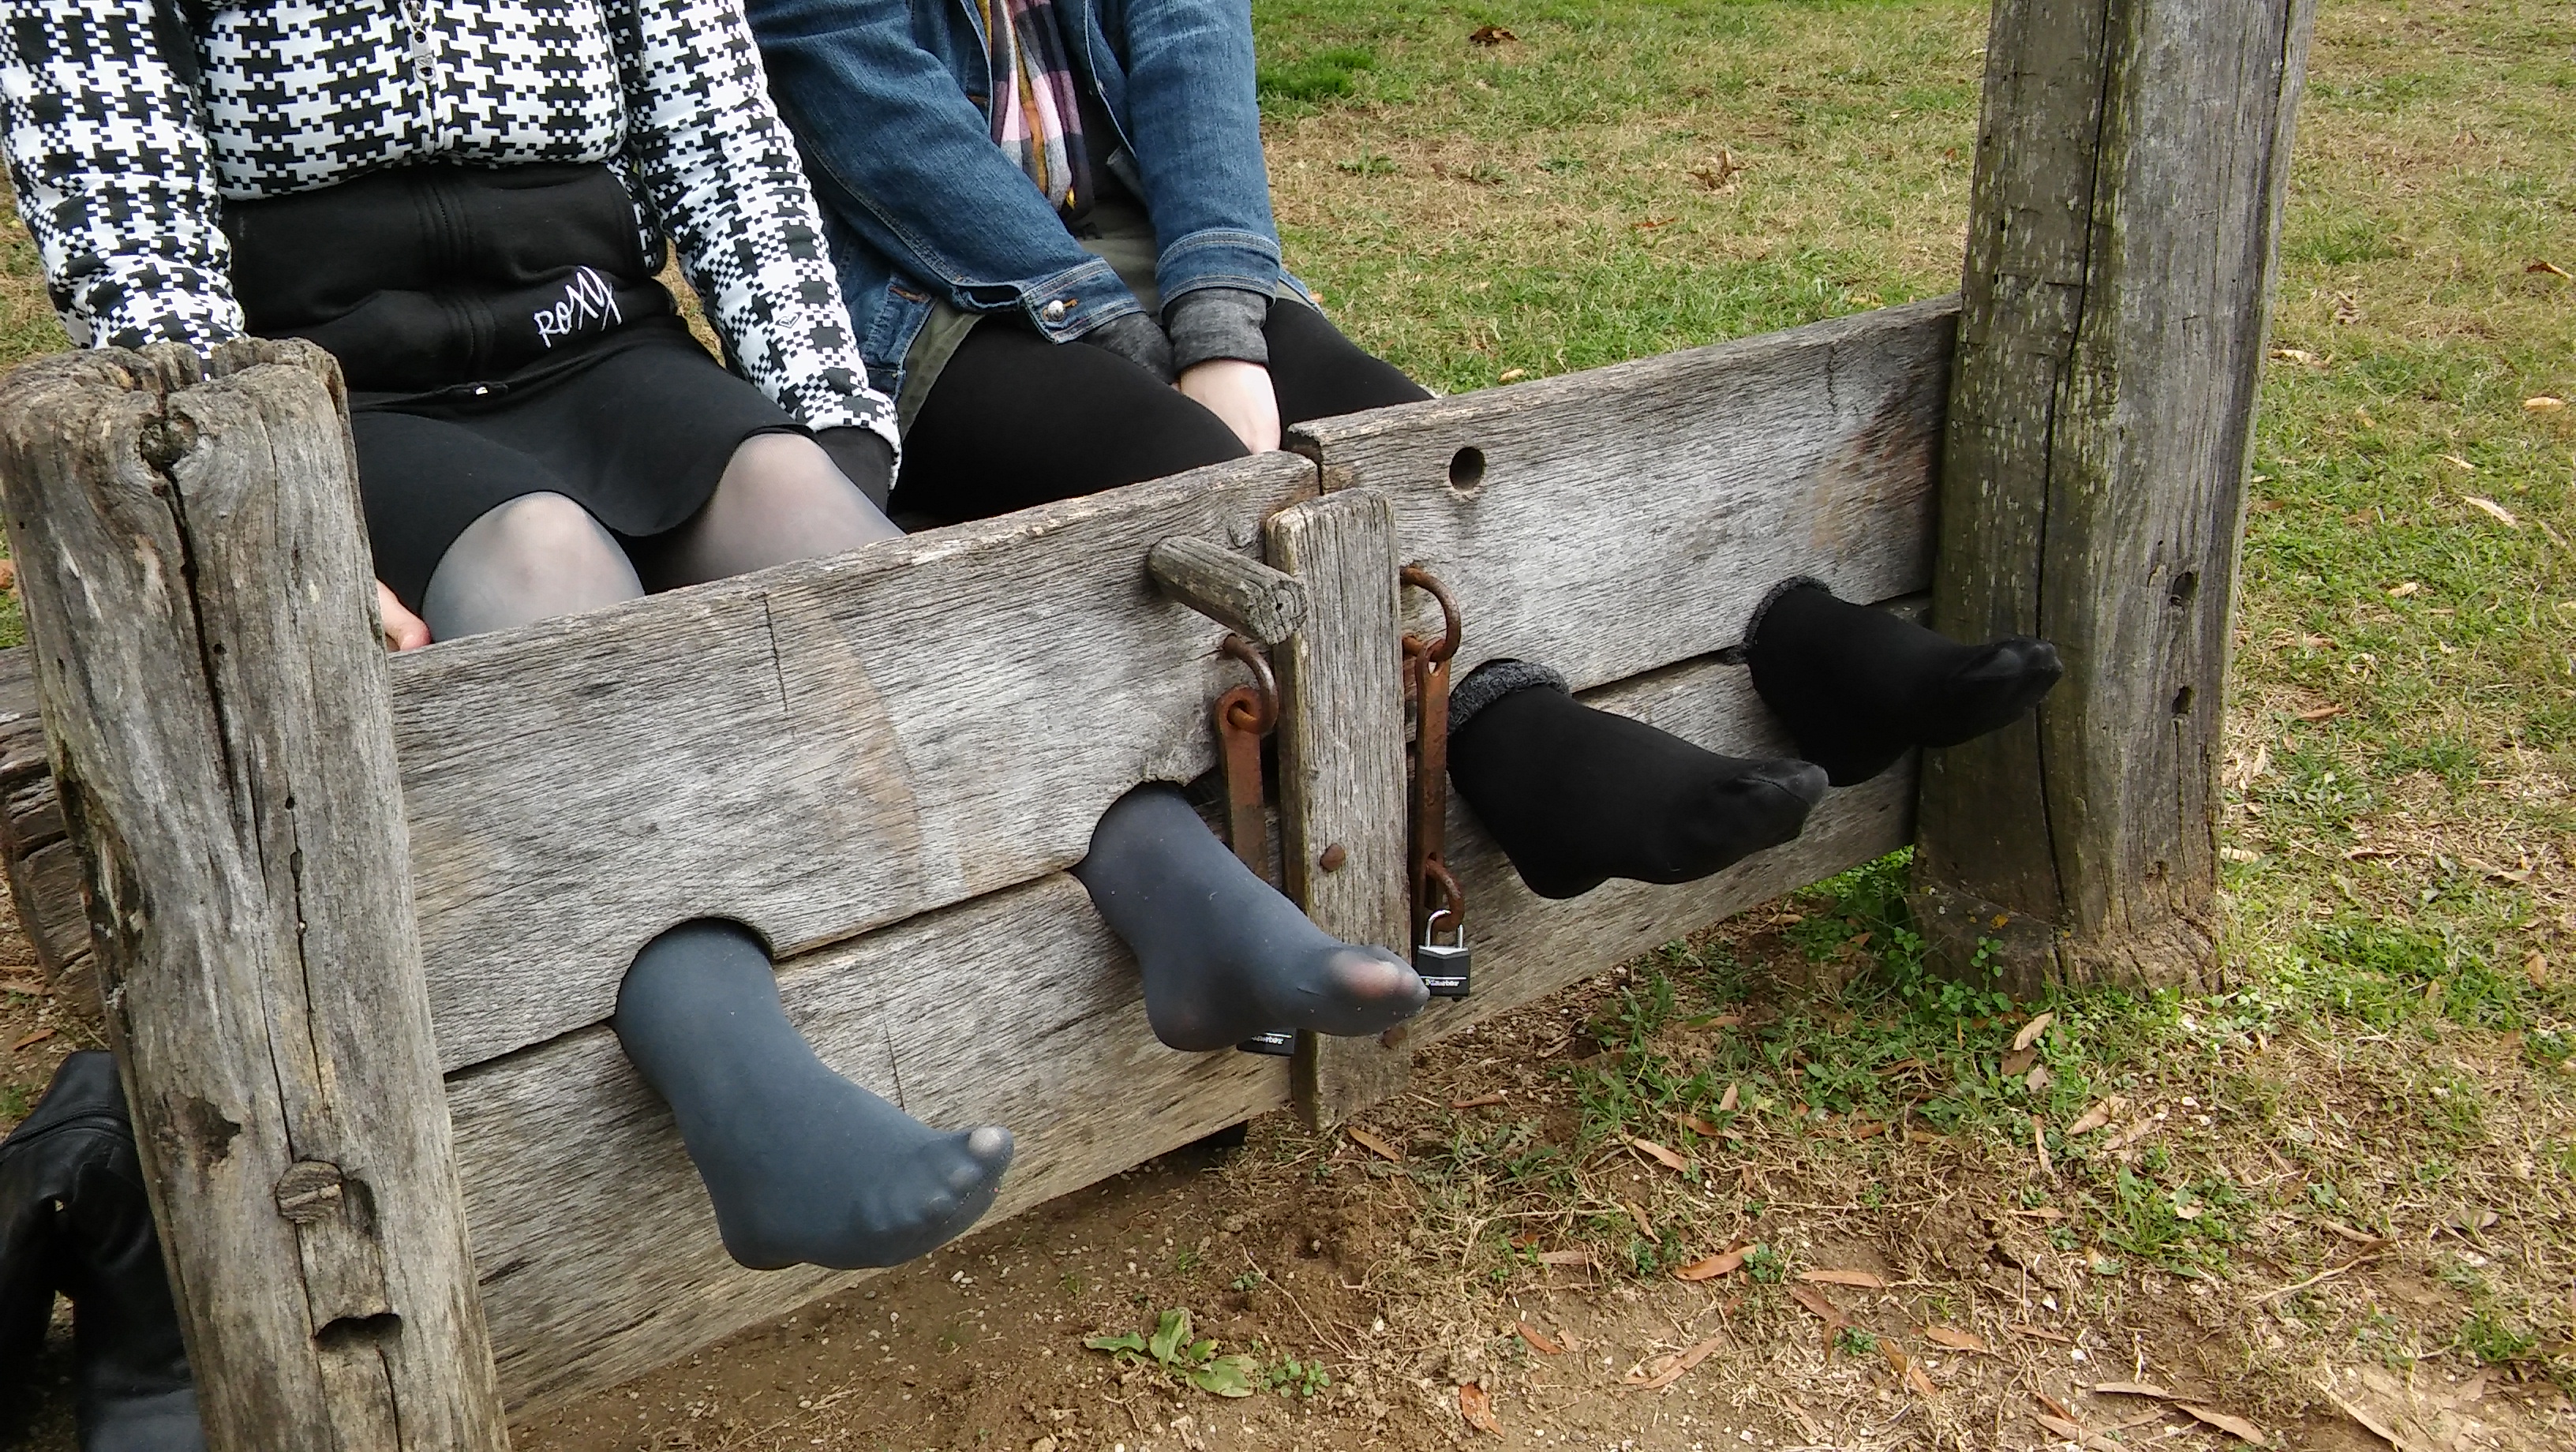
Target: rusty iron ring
<point>1253,708</point>
<point>1451,630</point>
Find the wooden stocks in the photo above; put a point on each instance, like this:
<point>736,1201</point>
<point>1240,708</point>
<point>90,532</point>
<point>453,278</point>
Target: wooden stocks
<point>200,598</point>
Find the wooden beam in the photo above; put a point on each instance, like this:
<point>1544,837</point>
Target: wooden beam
<point>1341,769</point>
<point>814,750</point>
<point>2130,170</point>
<point>1617,520</point>
<point>197,583</point>
<point>1254,600</point>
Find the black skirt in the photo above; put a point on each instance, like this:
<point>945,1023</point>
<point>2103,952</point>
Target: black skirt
<point>502,334</point>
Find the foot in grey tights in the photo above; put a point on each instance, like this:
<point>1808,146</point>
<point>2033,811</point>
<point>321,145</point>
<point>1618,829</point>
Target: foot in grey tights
<point>1226,956</point>
<point>803,1165</point>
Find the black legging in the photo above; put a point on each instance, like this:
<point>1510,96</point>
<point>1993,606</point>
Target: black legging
<point>1016,420</point>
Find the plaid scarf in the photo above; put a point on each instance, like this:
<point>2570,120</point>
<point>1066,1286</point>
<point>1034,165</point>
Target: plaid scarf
<point>1036,117</point>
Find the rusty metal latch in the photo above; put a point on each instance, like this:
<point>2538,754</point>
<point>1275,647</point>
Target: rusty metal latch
<point>1244,715</point>
<point>1439,907</point>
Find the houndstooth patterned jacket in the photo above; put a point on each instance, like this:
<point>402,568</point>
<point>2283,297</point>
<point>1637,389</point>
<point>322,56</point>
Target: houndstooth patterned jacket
<point>124,137</point>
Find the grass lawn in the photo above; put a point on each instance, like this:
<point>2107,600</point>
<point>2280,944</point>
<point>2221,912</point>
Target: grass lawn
<point>2359,1163</point>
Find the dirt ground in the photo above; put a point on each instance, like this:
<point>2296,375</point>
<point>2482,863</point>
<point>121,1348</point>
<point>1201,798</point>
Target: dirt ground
<point>1359,1270</point>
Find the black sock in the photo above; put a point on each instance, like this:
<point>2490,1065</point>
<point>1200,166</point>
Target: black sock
<point>1858,686</point>
<point>802,1164</point>
<point>1225,956</point>
<point>1577,796</point>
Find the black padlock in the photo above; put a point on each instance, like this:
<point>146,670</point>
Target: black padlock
<point>1443,966</point>
<point>1281,1042</point>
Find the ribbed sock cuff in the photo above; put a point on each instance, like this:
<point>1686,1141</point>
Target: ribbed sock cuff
<point>1753,626</point>
<point>1492,681</point>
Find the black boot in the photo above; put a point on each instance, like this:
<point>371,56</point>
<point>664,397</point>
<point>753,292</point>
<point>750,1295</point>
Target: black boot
<point>73,1218</point>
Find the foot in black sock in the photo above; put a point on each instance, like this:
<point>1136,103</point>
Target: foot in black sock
<point>1858,686</point>
<point>1577,796</point>
<point>803,1165</point>
<point>1225,955</point>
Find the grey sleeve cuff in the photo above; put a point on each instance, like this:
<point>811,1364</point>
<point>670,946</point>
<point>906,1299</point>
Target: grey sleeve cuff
<point>1136,338</point>
<point>1217,322</point>
<point>1492,681</point>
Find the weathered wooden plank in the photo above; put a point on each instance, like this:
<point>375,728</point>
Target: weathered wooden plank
<point>196,578</point>
<point>2130,168</point>
<point>1247,596</point>
<point>1341,768</point>
<point>43,867</point>
<point>1617,520</point>
<point>598,1251</point>
<point>813,750</point>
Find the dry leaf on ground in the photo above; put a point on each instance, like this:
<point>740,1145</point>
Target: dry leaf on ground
<point>1957,1340</point>
<point>1490,35</point>
<point>31,1040</point>
<point>1709,1268</point>
<point>1478,1409</point>
<point>1478,1101</point>
<point>2321,713</point>
<point>1539,1341</point>
<point>1698,1126</point>
<point>1860,1278</point>
<point>2130,1389</point>
<point>1645,1226</point>
<point>1726,1101</point>
<point>2031,1031</point>
<point>2097,1117</point>
<point>1658,1154</point>
<point>2490,509</point>
<point>1816,1302</point>
<point>1664,1370</point>
<point>1565,1257</point>
<point>1374,1144</point>
<point>2543,403</point>
<point>2236,1427</point>
<point>2075,1432</point>
<point>2041,1333</point>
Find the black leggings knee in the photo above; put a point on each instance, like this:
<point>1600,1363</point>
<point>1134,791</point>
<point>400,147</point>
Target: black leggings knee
<point>1016,420</point>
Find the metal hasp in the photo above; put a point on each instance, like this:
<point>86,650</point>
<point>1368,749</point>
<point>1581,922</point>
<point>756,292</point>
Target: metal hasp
<point>1436,895</point>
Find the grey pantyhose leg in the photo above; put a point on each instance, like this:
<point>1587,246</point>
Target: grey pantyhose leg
<point>802,1164</point>
<point>781,498</point>
<point>1225,956</point>
<point>536,556</point>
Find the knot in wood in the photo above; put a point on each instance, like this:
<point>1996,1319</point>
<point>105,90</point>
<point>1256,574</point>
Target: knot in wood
<point>309,1191</point>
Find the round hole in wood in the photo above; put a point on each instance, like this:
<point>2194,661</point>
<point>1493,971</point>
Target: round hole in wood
<point>2182,702</point>
<point>2185,585</point>
<point>1467,469</point>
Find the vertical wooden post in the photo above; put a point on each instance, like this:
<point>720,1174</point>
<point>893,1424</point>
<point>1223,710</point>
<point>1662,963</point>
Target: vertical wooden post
<point>2130,168</point>
<point>198,591</point>
<point>1341,767</point>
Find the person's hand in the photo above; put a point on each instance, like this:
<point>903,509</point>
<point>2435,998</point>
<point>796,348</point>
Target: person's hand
<point>402,629</point>
<point>1239,393</point>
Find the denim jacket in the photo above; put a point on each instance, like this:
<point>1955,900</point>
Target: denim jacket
<point>887,100</point>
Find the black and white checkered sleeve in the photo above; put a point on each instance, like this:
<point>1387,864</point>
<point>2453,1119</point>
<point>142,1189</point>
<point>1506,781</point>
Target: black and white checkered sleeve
<point>110,163</point>
<point>722,172</point>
